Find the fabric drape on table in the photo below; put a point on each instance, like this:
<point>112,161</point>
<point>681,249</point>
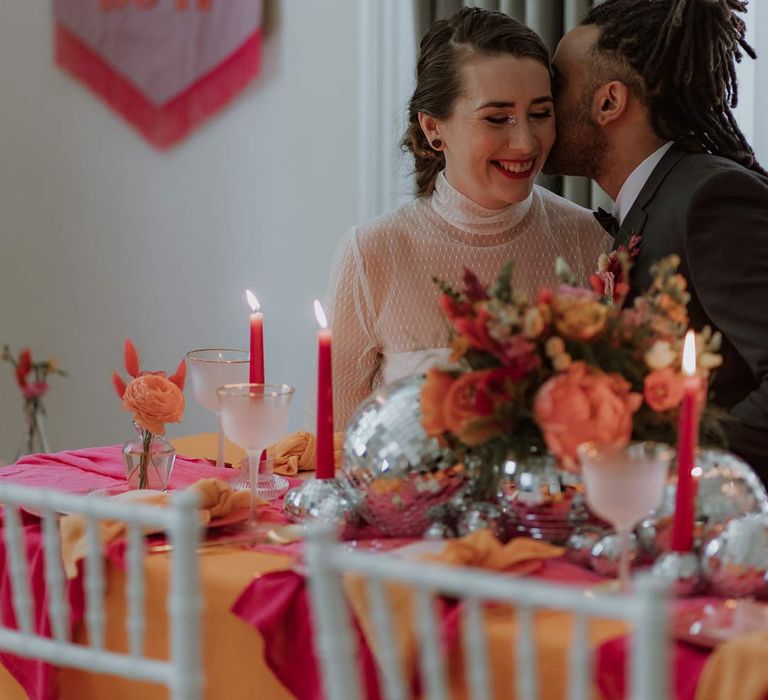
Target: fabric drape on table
<point>550,19</point>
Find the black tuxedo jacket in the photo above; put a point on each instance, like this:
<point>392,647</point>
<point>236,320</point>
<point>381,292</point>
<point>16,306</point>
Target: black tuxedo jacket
<point>713,213</point>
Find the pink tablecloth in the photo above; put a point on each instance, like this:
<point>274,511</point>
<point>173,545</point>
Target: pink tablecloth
<point>72,472</point>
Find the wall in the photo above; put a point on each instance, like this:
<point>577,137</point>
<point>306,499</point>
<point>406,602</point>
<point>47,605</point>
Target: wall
<point>104,237</point>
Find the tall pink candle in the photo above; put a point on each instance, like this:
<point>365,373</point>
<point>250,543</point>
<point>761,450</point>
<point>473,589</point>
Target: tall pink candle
<point>325,460</point>
<point>256,368</point>
<point>688,435</point>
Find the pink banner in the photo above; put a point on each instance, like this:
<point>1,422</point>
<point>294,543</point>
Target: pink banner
<point>165,66</point>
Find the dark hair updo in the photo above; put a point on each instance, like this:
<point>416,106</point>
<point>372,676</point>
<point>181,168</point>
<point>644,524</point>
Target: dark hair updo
<point>444,50</point>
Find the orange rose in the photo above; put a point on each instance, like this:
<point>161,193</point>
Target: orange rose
<point>460,409</point>
<point>433,395</point>
<point>154,401</point>
<point>583,405</point>
<point>663,389</point>
<point>578,316</point>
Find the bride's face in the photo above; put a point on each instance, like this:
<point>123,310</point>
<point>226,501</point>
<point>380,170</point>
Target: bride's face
<point>500,131</point>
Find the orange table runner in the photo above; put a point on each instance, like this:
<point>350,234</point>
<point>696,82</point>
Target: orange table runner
<point>234,664</point>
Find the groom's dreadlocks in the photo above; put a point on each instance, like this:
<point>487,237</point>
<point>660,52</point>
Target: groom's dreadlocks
<point>686,53</point>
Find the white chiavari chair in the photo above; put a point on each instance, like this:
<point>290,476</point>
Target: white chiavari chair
<point>644,609</point>
<point>181,672</point>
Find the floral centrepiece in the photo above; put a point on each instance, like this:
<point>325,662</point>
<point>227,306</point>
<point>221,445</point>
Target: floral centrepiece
<point>32,379</point>
<point>154,399</point>
<point>531,376</point>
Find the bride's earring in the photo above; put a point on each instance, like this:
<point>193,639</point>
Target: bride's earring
<point>437,144</point>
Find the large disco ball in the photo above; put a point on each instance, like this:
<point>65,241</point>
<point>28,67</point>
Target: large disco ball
<point>727,488</point>
<point>735,562</point>
<point>392,472</point>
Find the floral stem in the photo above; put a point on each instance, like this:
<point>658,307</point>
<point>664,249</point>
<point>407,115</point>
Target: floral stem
<point>146,438</point>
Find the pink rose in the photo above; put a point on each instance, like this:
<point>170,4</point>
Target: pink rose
<point>663,389</point>
<point>584,405</point>
<point>154,401</point>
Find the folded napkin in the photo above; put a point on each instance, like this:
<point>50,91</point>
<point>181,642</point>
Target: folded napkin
<point>737,669</point>
<point>481,549</point>
<point>216,501</point>
<point>297,452</point>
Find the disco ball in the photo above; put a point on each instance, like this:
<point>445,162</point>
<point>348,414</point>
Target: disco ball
<point>727,488</point>
<point>735,562</point>
<point>392,472</point>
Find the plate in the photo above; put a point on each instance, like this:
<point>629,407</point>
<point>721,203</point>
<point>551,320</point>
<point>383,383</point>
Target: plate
<point>708,624</point>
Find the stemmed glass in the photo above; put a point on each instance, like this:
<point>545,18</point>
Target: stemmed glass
<point>254,416</point>
<point>623,485</point>
<point>209,369</point>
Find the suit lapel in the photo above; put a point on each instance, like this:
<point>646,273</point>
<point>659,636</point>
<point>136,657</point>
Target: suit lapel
<point>634,221</point>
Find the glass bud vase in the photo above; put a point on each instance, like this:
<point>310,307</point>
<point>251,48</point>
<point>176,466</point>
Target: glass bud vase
<point>149,461</point>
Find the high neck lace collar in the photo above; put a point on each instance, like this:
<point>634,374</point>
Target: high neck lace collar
<point>460,211</point>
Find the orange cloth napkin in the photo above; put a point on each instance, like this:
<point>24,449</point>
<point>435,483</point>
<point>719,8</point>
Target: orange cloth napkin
<point>297,452</point>
<point>216,501</point>
<point>737,669</point>
<point>483,549</point>
<point>480,549</point>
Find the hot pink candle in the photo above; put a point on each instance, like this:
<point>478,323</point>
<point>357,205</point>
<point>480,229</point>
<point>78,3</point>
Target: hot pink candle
<point>688,435</point>
<point>325,461</point>
<point>256,368</point>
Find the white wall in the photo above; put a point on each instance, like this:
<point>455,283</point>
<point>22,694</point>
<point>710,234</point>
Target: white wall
<point>103,237</point>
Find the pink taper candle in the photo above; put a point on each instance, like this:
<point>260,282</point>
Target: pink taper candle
<point>688,435</point>
<point>256,368</point>
<point>325,461</point>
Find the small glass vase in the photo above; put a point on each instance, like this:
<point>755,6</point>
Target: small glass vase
<point>35,439</point>
<point>149,461</point>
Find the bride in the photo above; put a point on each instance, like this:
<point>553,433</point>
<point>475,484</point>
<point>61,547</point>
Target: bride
<point>481,124</point>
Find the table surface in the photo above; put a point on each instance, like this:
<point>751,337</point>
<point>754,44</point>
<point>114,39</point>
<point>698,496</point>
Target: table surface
<point>234,664</point>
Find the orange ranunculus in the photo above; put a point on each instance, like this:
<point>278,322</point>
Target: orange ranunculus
<point>582,405</point>
<point>154,401</point>
<point>663,389</point>
<point>578,316</point>
<point>433,395</point>
<point>460,409</point>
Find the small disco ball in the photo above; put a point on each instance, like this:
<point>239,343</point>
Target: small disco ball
<point>580,543</point>
<point>392,472</point>
<point>727,488</point>
<point>605,555</point>
<point>735,562</point>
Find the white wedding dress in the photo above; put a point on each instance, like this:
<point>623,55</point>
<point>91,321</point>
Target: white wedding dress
<point>383,303</point>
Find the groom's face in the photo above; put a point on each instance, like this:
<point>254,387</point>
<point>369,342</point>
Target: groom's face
<point>580,144</point>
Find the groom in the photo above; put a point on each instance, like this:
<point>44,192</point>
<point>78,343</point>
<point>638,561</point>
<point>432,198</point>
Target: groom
<point>644,92</point>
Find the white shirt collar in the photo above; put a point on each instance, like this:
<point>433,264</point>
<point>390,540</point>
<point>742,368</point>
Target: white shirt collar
<point>634,184</point>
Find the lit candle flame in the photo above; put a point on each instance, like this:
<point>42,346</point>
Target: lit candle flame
<point>320,315</point>
<point>253,302</point>
<point>689,355</point>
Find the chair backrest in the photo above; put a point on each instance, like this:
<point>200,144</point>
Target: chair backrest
<point>335,643</point>
<point>181,673</point>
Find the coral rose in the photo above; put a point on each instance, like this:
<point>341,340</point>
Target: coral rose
<point>432,400</point>
<point>583,405</point>
<point>154,401</point>
<point>578,316</point>
<point>663,389</point>
<point>462,415</point>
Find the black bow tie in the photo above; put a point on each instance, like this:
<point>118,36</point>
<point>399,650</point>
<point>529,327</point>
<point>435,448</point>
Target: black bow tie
<point>607,220</point>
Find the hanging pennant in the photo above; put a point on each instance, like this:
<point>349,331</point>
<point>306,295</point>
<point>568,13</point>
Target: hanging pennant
<point>164,65</point>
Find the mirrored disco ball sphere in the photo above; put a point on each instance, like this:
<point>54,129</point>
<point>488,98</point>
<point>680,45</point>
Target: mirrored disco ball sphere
<point>392,472</point>
<point>727,488</point>
<point>735,562</point>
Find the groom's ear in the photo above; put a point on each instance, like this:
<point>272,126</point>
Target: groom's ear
<point>610,102</point>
